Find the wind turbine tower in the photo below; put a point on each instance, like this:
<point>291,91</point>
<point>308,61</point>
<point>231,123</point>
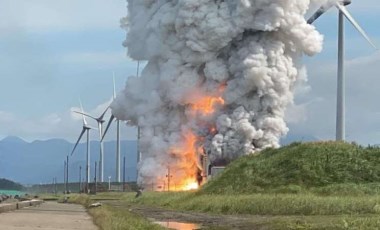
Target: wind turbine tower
<point>118,177</point>
<point>138,132</point>
<point>100,120</point>
<point>341,99</point>
<point>85,129</point>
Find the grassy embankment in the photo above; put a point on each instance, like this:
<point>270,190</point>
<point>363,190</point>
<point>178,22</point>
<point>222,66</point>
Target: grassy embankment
<point>333,185</point>
<point>301,186</point>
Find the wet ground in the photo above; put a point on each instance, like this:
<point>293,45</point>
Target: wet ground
<point>195,220</point>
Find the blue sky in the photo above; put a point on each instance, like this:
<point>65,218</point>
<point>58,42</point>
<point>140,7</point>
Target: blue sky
<point>52,52</point>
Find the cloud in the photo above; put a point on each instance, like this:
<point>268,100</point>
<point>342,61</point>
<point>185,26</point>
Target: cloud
<point>66,125</point>
<point>61,15</point>
<point>98,59</point>
<point>362,106</point>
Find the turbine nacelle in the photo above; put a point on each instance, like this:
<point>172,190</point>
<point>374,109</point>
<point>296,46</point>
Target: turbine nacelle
<point>346,2</point>
<point>341,7</point>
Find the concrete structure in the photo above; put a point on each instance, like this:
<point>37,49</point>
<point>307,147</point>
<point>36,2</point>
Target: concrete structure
<point>7,207</point>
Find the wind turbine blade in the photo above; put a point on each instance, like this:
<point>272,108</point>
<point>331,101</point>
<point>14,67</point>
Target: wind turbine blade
<point>114,87</point>
<point>348,15</point>
<point>91,127</point>
<point>85,114</point>
<point>80,137</point>
<point>81,107</point>
<point>108,125</point>
<point>104,113</point>
<point>319,12</point>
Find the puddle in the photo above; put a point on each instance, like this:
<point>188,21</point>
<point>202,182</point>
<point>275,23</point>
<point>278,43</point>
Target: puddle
<point>178,225</point>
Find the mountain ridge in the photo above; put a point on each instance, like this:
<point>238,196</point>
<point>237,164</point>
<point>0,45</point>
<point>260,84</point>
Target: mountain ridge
<point>42,160</point>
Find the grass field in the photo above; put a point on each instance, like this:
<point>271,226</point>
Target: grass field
<point>111,218</point>
<point>270,211</point>
<point>301,186</point>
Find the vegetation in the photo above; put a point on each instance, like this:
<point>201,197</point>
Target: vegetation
<point>10,185</point>
<point>267,211</point>
<point>301,186</point>
<point>263,204</point>
<point>114,218</point>
<point>331,185</point>
<point>316,167</point>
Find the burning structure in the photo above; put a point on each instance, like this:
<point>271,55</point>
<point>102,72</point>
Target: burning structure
<point>219,77</point>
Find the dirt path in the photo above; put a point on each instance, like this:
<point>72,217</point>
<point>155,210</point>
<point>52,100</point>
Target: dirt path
<point>241,222</point>
<point>48,216</point>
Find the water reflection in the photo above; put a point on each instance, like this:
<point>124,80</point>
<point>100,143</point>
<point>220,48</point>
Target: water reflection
<point>178,225</point>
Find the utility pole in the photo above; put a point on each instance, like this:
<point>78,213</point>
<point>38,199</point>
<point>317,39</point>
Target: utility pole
<point>67,174</point>
<point>168,176</point>
<point>64,178</point>
<point>52,186</point>
<point>95,177</point>
<point>80,179</point>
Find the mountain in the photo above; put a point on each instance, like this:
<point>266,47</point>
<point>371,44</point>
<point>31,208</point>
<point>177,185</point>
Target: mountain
<point>40,161</point>
<point>13,140</point>
<point>10,185</point>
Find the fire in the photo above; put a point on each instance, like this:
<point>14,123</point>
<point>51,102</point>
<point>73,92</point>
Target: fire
<point>191,186</point>
<point>206,105</point>
<point>189,148</point>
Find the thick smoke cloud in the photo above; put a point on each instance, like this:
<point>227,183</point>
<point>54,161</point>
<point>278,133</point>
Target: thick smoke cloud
<point>244,54</point>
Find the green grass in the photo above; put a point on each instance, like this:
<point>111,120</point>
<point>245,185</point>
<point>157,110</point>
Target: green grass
<point>299,167</point>
<point>329,185</point>
<point>275,211</point>
<point>112,218</point>
<point>263,204</point>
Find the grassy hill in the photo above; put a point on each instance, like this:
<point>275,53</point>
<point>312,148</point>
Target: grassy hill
<point>10,185</point>
<point>316,166</point>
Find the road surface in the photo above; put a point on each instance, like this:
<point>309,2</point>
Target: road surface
<point>48,216</point>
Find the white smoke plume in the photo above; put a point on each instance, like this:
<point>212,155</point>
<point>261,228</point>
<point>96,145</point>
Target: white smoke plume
<point>219,77</point>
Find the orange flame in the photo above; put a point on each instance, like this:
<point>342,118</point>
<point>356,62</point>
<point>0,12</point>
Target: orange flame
<point>188,150</point>
<point>190,186</point>
<point>206,105</point>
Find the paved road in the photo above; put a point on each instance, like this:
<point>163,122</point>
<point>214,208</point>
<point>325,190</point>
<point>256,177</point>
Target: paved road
<point>48,216</point>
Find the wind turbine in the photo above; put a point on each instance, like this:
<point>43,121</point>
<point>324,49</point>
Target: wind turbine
<point>118,179</point>
<point>100,120</point>
<point>343,12</point>
<point>138,131</point>
<point>85,129</point>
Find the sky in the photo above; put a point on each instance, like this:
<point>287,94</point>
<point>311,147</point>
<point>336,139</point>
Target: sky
<point>54,52</point>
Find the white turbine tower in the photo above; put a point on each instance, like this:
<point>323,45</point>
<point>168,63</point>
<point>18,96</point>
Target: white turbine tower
<point>118,177</point>
<point>100,120</point>
<point>343,12</point>
<point>118,132</point>
<point>85,129</point>
<point>138,132</point>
